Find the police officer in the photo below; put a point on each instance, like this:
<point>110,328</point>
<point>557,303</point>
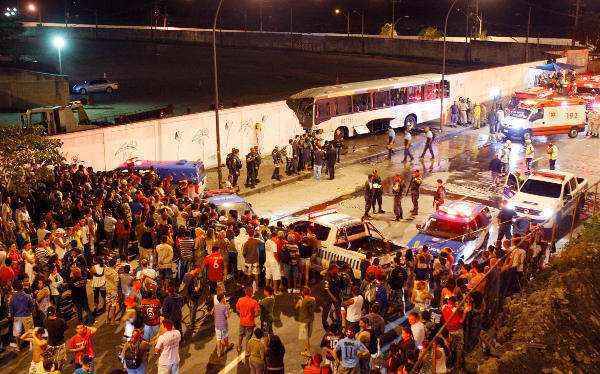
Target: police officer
<point>257,161</point>
<point>397,191</point>
<point>250,167</point>
<point>529,153</point>
<point>234,165</point>
<point>368,196</point>
<point>414,188</point>
<point>428,143</point>
<point>277,161</point>
<point>377,192</point>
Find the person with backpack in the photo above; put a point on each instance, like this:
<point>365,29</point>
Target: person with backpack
<point>134,353</point>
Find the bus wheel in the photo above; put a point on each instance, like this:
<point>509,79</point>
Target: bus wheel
<point>410,121</point>
<point>573,132</point>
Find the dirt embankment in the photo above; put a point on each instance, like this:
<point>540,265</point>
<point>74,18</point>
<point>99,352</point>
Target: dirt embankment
<point>554,325</point>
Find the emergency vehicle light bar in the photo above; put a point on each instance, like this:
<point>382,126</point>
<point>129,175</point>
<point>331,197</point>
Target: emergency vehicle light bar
<point>457,209</point>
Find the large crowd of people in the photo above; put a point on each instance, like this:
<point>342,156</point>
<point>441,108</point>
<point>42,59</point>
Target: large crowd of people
<point>160,260</point>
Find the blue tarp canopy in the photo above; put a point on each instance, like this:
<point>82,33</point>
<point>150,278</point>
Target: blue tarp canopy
<point>556,66</point>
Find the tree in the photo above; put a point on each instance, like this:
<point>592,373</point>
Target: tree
<point>25,155</point>
<point>430,33</point>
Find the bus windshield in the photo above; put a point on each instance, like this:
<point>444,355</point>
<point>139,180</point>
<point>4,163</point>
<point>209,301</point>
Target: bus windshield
<point>303,109</point>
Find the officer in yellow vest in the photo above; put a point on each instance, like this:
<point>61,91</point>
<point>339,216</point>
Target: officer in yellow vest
<point>552,152</point>
<point>529,153</point>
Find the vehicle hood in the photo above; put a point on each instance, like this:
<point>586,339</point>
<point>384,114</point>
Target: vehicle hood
<point>434,243</point>
<point>534,201</point>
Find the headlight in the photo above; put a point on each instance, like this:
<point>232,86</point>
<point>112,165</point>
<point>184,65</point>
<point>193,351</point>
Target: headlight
<point>547,213</point>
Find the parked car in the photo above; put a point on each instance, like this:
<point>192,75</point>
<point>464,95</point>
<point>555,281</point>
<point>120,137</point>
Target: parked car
<point>96,85</point>
<point>190,171</point>
<point>460,225</point>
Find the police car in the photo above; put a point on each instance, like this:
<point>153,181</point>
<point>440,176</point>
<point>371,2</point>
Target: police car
<point>344,238</point>
<point>460,225</point>
<point>226,199</point>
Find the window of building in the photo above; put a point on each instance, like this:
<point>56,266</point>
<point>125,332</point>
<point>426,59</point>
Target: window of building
<point>398,96</point>
<point>381,99</point>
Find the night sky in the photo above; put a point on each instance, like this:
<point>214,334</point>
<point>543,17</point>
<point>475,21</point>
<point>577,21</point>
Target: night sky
<point>506,17</point>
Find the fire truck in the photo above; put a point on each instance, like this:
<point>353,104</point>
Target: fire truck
<point>553,116</point>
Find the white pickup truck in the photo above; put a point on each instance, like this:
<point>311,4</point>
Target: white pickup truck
<point>549,196</point>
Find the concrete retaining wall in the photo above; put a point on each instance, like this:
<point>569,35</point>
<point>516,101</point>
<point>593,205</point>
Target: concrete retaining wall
<point>21,89</point>
<point>488,52</point>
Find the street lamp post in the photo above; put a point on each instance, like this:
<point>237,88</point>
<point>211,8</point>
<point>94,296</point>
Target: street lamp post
<point>442,84</point>
<point>260,11</point>
<point>59,44</point>
<point>216,82</point>
<point>347,15</point>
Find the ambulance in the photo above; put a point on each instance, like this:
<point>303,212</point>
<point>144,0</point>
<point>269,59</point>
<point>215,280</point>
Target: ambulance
<point>552,116</point>
<point>530,93</point>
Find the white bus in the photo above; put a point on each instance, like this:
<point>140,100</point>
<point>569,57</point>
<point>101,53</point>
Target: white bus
<point>366,107</point>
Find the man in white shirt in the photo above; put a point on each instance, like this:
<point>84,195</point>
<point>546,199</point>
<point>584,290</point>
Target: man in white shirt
<point>272,269</point>
<point>167,346</point>
<point>417,327</point>
<point>353,308</point>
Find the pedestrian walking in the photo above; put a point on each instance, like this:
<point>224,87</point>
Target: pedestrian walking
<point>234,165</point>
<point>477,115</point>
<point>398,191</point>
<point>250,167</point>
<point>429,136</point>
<point>414,188</point>
<point>221,315</point>
<point>552,151</point>
<point>529,154</point>
<point>462,111</point>
<point>377,192</point>
<point>391,142</point>
<point>505,156</point>
<point>277,161</point>
<point>407,145</point>
<point>440,195</point>
<point>348,352</point>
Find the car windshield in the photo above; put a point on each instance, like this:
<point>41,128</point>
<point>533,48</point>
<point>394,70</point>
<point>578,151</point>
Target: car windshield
<point>520,113</point>
<point>445,229</point>
<point>541,188</point>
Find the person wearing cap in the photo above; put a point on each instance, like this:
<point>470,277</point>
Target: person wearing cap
<point>529,153</point>
<point>552,151</point>
<point>348,352</point>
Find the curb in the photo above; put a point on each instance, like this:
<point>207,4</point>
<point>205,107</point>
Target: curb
<point>372,157</point>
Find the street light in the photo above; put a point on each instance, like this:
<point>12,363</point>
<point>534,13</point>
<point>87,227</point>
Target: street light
<point>442,85</point>
<point>338,12</point>
<point>216,82</point>
<point>59,43</point>
<point>33,9</point>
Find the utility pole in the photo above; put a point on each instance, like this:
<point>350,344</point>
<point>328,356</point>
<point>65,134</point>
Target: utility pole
<point>527,36</point>
<point>216,88</point>
<point>576,21</point>
<point>260,6</point>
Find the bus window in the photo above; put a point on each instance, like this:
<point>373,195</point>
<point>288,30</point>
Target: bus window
<point>344,105</point>
<point>325,110</point>
<point>415,94</point>
<point>361,102</point>
<point>398,96</point>
<point>430,92</point>
<point>381,99</point>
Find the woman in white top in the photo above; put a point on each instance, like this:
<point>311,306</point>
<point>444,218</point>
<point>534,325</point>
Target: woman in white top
<point>354,306</point>
<point>99,284</point>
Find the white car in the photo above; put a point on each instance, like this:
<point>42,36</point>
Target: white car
<point>344,238</point>
<point>549,196</point>
<point>96,85</point>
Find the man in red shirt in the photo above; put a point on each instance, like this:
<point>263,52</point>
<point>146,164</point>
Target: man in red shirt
<point>82,344</point>
<point>7,274</point>
<point>213,264</point>
<point>454,325</point>
<point>374,271</point>
<point>248,309</point>
<point>150,308</point>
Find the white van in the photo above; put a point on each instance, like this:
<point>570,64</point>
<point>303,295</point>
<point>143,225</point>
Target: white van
<point>546,117</point>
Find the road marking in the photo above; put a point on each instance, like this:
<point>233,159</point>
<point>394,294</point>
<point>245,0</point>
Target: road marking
<point>230,366</point>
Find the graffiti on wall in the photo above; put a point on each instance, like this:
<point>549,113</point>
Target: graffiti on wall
<point>128,150</point>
